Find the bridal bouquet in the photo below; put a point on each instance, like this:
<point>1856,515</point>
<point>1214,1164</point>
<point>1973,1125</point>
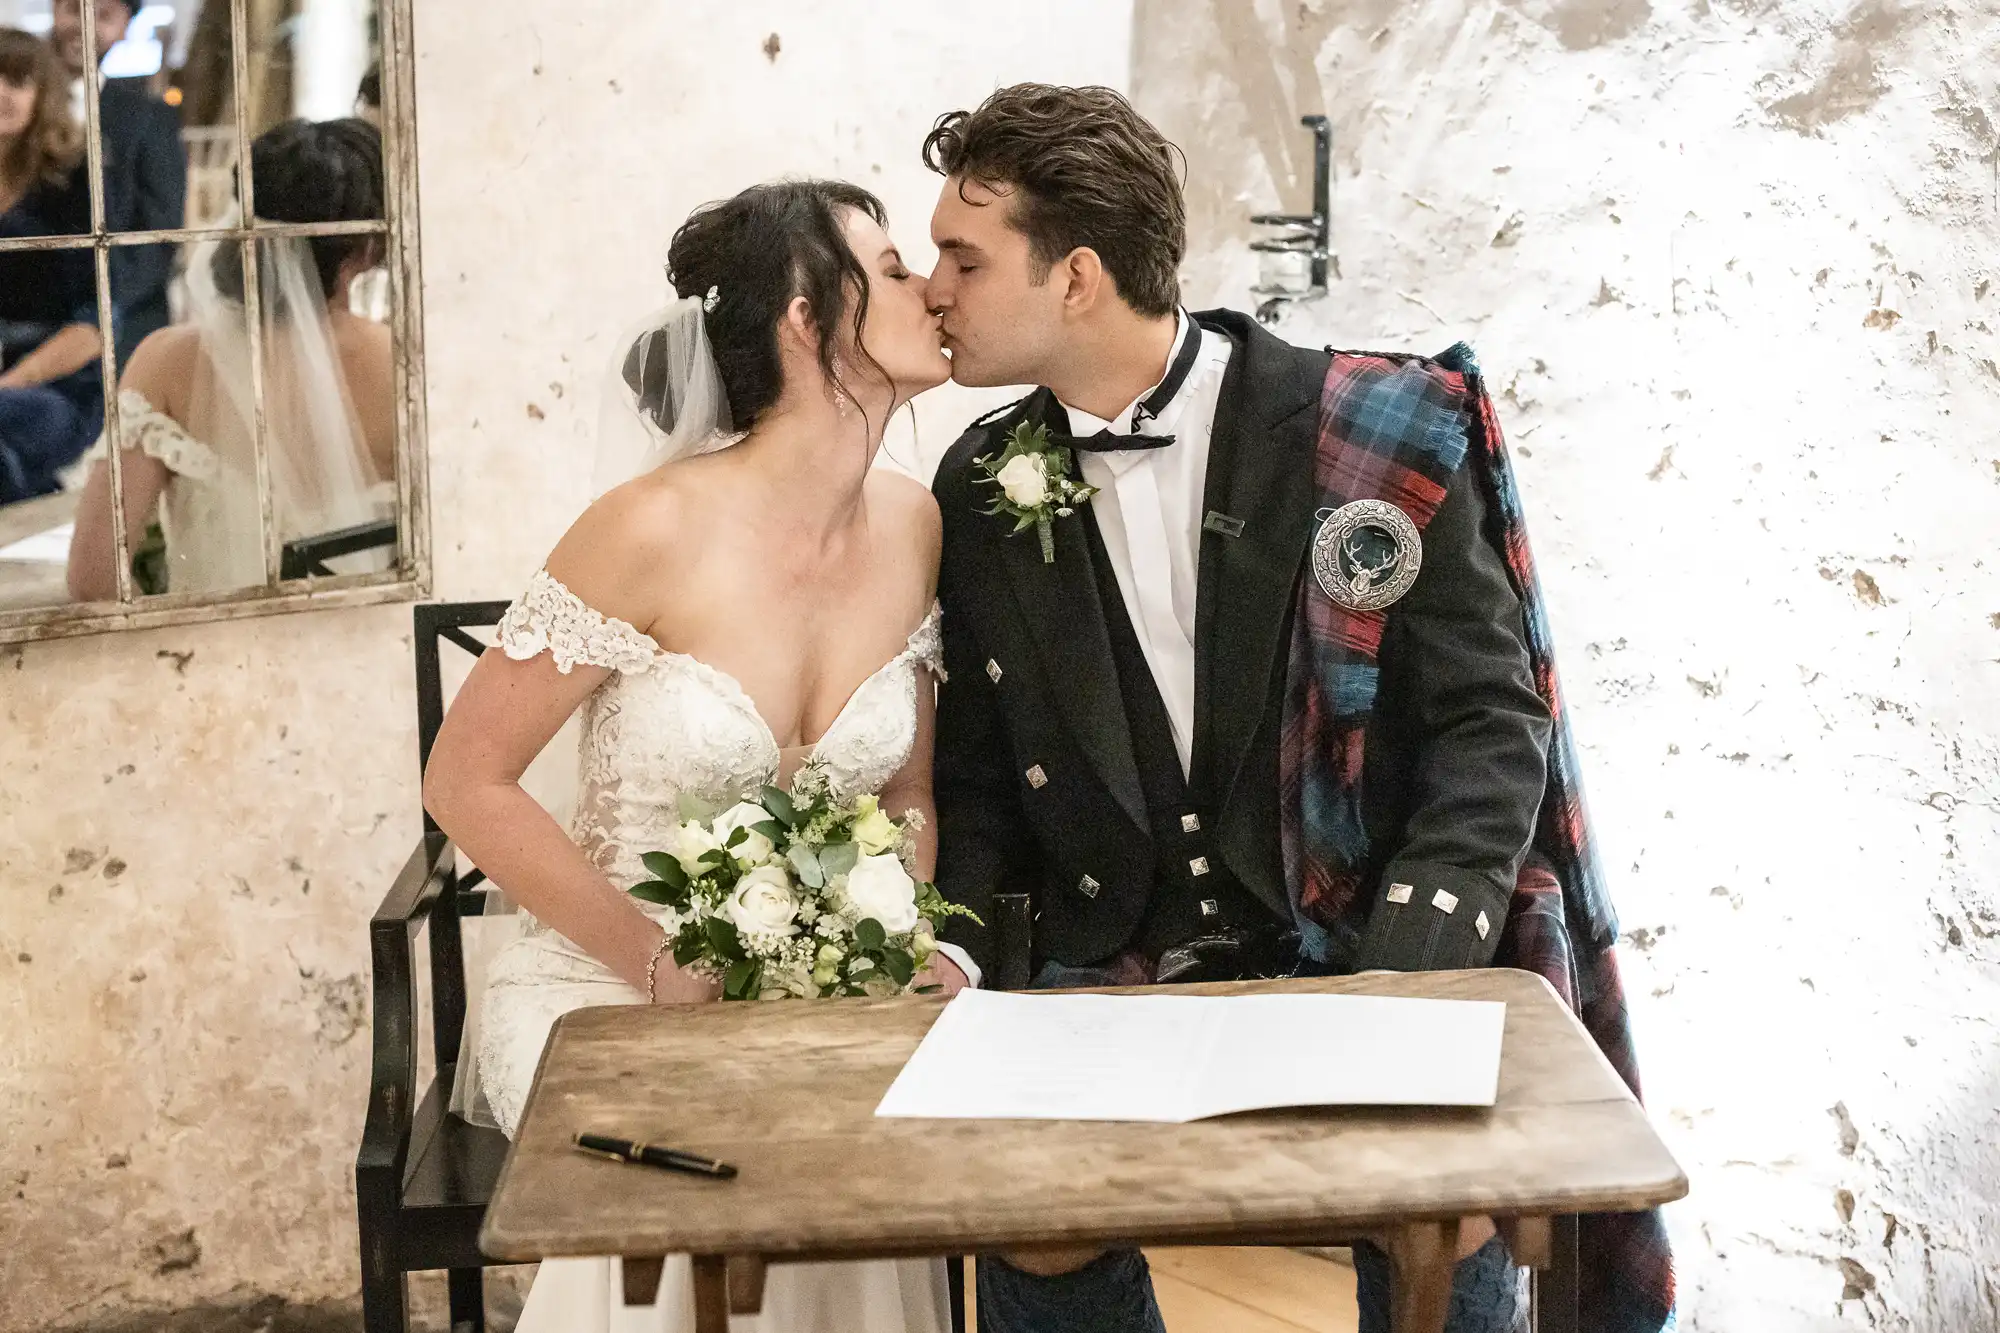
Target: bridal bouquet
<point>798,895</point>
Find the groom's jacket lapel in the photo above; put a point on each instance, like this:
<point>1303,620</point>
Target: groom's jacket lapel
<point>1259,473</point>
<point>1065,617</point>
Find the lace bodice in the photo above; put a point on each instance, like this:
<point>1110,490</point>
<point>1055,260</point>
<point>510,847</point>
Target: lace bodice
<point>667,726</point>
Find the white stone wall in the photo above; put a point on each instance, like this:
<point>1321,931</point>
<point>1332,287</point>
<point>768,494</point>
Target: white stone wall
<point>195,824</point>
<point>1731,268</point>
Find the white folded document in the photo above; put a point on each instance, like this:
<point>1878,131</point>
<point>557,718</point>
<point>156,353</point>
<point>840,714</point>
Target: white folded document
<point>995,1055</point>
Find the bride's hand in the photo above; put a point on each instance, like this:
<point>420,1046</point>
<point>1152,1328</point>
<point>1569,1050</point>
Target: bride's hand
<point>941,972</point>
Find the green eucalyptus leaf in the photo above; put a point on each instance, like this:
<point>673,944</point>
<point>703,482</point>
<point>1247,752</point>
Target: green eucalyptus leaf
<point>837,858</point>
<point>899,966</point>
<point>737,979</point>
<point>807,866</point>
<point>868,933</point>
<point>654,891</point>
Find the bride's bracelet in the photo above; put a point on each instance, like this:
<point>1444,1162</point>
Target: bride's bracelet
<point>653,967</point>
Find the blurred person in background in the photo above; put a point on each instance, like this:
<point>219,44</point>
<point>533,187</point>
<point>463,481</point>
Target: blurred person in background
<point>145,167</point>
<point>51,384</point>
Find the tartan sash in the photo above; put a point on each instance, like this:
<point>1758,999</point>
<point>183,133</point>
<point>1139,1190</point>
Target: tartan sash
<point>1400,428</point>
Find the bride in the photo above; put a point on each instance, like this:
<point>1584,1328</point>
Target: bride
<point>728,609</point>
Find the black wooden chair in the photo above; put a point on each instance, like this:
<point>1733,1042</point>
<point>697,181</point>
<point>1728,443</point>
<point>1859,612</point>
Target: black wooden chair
<point>424,1176</point>
<point>307,556</point>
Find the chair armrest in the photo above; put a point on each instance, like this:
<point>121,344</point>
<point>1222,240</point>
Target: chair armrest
<point>417,884</point>
<point>385,1135</point>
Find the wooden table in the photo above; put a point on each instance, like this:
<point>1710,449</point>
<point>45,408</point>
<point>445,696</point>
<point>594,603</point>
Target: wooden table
<point>787,1092</point>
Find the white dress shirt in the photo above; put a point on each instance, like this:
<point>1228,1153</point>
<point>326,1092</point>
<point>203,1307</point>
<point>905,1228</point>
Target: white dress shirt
<point>1149,512</point>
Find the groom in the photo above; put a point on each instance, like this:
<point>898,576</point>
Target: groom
<point>1232,725</point>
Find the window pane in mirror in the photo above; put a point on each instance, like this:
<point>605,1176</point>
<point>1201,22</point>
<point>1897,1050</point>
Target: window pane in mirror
<point>44,186</point>
<point>187,421</point>
<point>329,401</point>
<point>50,413</point>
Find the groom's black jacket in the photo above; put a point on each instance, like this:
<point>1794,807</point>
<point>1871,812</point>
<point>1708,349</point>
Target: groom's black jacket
<point>1037,782</point>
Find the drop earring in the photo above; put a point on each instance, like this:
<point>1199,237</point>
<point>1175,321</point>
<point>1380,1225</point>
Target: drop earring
<point>839,396</point>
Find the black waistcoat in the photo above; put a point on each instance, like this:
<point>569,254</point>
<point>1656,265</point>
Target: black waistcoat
<point>1193,891</point>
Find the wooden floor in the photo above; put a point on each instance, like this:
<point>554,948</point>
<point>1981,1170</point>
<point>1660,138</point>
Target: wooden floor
<point>1252,1291</point>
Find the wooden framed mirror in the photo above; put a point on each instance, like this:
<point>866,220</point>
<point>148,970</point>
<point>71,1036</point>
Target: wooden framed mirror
<point>222,225</point>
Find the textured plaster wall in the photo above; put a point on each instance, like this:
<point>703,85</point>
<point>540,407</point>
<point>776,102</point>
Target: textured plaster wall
<point>1733,268</point>
<point>196,823</point>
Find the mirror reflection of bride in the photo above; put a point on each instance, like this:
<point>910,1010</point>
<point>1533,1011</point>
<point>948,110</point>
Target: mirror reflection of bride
<point>187,408</point>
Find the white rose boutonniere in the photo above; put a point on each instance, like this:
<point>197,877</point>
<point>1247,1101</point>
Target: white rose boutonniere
<point>1025,480</point>
<point>883,892</point>
<point>1036,487</point>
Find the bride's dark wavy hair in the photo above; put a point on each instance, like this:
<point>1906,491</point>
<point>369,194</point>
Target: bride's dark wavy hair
<point>313,171</point>
<point>759,249</point>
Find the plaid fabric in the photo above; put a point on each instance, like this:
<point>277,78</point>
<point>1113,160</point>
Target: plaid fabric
<point>1398,429</point>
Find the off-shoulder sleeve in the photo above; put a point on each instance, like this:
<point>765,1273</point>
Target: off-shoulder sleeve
<point>152,432</point>
<point>926,644</point>
<point>549,618</point>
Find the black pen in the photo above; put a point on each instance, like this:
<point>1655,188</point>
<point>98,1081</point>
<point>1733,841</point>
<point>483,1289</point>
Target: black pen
<point>648,1154</point>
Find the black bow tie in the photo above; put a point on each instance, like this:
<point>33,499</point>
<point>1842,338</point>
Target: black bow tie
<point>1105,442</point>
<point>1156,402</point>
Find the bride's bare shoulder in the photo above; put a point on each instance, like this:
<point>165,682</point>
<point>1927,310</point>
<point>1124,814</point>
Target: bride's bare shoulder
<point>622,555</point>
<point>907,510</point>
<point>909,505</point>
<point>161,367</point>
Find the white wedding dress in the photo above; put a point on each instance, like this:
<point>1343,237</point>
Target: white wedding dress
<point>665,726</point>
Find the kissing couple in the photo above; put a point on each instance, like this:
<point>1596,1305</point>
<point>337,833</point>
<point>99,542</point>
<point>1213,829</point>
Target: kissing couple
<point>1226,652</point>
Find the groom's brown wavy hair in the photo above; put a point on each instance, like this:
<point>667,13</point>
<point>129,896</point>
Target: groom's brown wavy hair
<point>1086,170</point>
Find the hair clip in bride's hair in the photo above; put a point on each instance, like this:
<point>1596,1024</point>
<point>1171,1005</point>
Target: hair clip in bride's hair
<point>711,301</point>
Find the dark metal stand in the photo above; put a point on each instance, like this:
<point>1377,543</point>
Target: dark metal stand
<point>1308,234</point>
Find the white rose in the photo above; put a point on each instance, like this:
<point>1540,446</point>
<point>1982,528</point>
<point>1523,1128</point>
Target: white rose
<point>762,903</point>
<point>881,889</point>
<point>695,840</point>
<point>755,848</point>
<point>1026,480</point>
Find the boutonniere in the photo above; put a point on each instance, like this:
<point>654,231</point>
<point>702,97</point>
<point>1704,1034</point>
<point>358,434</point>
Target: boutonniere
<point>1036,487</point>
